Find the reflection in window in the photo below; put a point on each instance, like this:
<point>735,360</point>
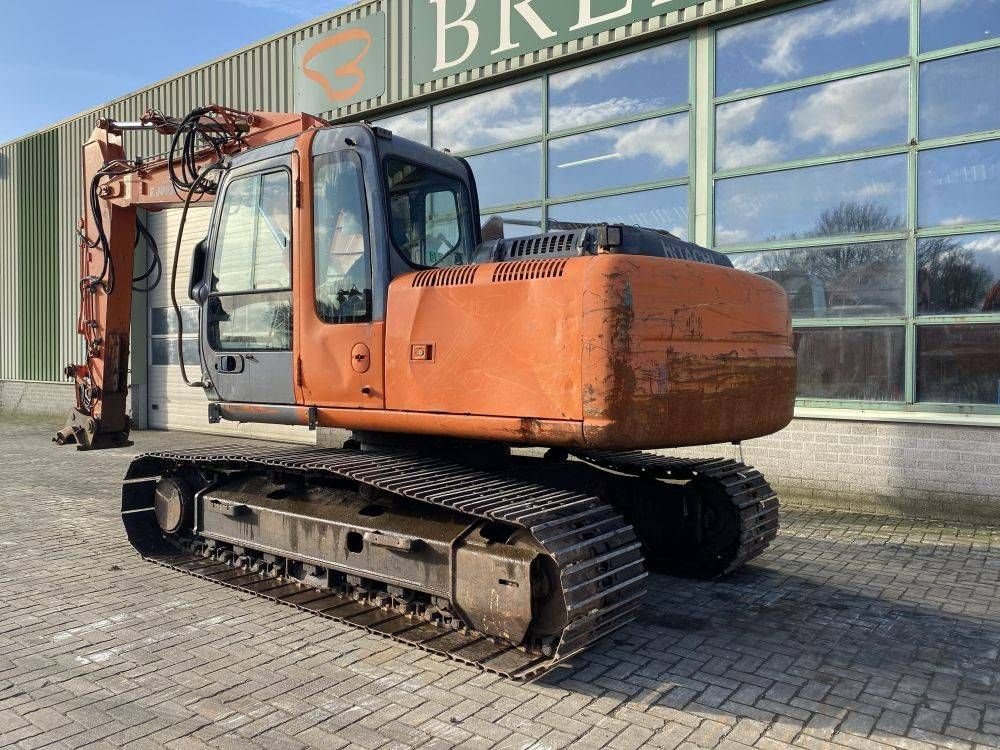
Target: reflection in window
<point>253,250</point>
<point>665,208</point>
<point>960,94</point>
<point>427,215</point>
<point>163,351</point>
<point>855,364</point>
<point>410,125</point>
<point>163,320</point>
<point>649,151</point>
<point>250,322</point>
<point>857,280</point>
<point>959,274</point>
<point>856,197</point>
<point>959,185</point>
<point>948,23</point>
<point>341,256</point>
<point>810,41</point>
<point>498,116</point>
<point>511,223</point>
<point>513,175</point>
<point>619,87</point>
<point>838,117</point>
<point>958,364</point>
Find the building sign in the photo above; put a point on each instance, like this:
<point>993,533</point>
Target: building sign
<point>341,67</point>
<point>452,36</point>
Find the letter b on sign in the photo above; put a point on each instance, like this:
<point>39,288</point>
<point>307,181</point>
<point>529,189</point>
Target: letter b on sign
<point>342,66</point>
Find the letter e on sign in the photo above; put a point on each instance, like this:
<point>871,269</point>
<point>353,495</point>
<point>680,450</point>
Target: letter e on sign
<point>342,66</point>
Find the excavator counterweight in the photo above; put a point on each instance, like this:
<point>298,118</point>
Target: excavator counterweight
<point>345,282</point>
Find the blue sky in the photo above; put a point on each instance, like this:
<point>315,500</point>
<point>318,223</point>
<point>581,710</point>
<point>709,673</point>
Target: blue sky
<point>60,57</point>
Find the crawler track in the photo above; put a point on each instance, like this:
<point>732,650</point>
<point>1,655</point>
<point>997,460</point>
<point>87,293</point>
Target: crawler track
<point>598,555</point>
<point>751,497</point>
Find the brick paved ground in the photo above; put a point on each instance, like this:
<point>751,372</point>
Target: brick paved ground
<point>851,632</point>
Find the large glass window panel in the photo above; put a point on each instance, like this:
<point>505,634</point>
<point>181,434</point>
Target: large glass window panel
<point>857,280</point>
<point>499,116</point>
<point>838,117</point>
<point>163,320</point>
<point>253,250</point>
<point>959,364</point>
<point>341,262</point>
<point>428,215</point>
<point>665,208</point>
<point>620,87</point>
<point>850,364</point>
<point>810,41</point>
<point>948,23</point>
<point>255,322</point>
<point>855,197</point>
<point>163,351</point>
<point>511,223</point>
<point>513,175</point>
<point>959,274</point>
<point>960,94</point>
<point>649,151</point>
<point>959,185</point>
<point>411,125</point>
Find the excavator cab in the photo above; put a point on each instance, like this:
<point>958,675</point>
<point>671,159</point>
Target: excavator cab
<point>320,225</point>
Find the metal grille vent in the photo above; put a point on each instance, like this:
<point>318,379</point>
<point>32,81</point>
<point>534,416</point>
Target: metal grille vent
<point>524,270</point>
<point>560,243</point>
<point>455,276</point>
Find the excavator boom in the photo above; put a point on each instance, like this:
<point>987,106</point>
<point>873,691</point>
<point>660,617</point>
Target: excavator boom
<point>114,187</point>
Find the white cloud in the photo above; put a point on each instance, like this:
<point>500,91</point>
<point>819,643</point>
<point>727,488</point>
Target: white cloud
<point>953,221</point>
<point>505,114</point>
<point>724,236</point>
<point>852,110</point>
<point>664,139</point>
<point>601,70</point>
<point>576,115</point>
<point>987,243</point>
<point>302,9</point>
<point>734,152</point>
<point>875,190</point>
<point>786,36</point>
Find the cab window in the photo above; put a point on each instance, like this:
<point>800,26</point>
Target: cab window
<point>250,303</point>
<point>340,235</point>
<point>427,216</point>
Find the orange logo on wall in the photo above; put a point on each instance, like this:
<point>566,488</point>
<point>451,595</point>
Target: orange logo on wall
<point>349,70</point>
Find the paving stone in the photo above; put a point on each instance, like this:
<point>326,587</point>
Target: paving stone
<point>851,632</point>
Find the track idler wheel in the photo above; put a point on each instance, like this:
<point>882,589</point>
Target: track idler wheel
<point>173,505</point>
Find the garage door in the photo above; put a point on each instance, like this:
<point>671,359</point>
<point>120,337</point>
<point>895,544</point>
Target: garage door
<point>172,404</point>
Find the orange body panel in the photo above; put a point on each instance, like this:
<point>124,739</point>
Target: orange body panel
<point>607,351</point>
<point>498,347</point>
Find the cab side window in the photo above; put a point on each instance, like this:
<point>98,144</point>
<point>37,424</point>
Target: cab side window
<point>249,306</point>
<point>340,239</point>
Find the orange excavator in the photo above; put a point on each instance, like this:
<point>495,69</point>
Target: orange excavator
<point>345,283</point>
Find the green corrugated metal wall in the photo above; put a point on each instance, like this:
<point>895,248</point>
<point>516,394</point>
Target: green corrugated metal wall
<point>37,176</point>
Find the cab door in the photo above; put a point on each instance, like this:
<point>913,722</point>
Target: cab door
<point>338,345</point>
<point>247,313</point>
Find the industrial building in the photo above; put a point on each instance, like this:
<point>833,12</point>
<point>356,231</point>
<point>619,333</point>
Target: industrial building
<point>847,149</point>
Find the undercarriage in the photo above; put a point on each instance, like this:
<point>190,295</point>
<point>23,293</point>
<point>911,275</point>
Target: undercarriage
<point>510,563</point>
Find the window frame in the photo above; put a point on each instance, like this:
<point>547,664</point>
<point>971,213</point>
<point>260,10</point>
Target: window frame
<point>171,336</point>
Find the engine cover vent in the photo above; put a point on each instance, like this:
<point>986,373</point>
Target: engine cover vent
<point>560,243</point>
<point>525,270</point>
<point>455,276</point>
